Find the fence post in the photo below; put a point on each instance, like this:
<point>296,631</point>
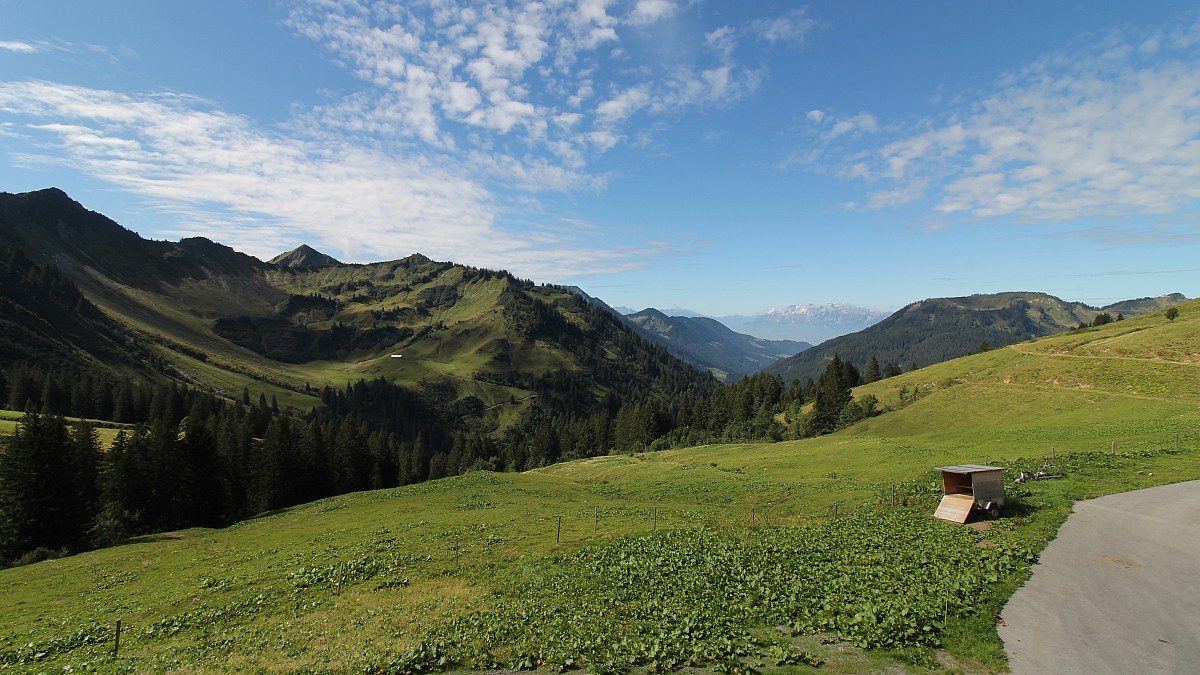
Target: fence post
<point>558,534</point>
<point>117,640</point>
<point>893,495</point>
<point>1114,448</point>
<point>654,515</point>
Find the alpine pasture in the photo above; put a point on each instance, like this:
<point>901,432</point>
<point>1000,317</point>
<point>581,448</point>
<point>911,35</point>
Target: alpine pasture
<point>784,556</point>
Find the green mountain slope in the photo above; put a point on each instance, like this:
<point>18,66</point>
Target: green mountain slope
<point>1140,306</point>
<point>205,315</point>
<point>709,344</point>
<point>304,257</point>
<point>551,566</point>
<point>939,329</point>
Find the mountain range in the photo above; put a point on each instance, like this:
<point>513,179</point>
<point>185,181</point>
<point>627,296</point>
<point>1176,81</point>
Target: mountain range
<point>701,341</point>
<point>804,323</point>
<point>939,329</point>
<point>808,323</point>
<point>82,294</point>
<point>709,344</point>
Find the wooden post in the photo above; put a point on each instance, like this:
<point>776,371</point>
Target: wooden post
<point>117,640</point>
<point>558,535</point>
<point>893,495</point>
<point>1176,441</point>
<point>341,577</point>
<point>835,510</point>
<point>752,518</point>
<point>596,525</point>
<point>654,515</point>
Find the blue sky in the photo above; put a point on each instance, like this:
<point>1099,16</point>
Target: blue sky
<point>717,155</point>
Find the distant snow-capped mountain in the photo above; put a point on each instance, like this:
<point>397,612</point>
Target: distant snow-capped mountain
<point>836,312</point>
<point>802,323</point>
<point>807,322</point>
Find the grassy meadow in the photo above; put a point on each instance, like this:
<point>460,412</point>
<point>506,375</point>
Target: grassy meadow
<point>106,431</point>
<point>726,557</point>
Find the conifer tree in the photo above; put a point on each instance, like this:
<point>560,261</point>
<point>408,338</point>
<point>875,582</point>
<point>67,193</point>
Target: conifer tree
<point>833,393</point>
<point>42,503</point>
<point>873,374</point>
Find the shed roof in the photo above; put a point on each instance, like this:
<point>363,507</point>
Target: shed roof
<point>969,468</point>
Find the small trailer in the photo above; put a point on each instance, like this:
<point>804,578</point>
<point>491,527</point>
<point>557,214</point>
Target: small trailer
<point>970,487</point>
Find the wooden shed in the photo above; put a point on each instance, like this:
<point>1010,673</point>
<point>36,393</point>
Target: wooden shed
<point>968,487</point>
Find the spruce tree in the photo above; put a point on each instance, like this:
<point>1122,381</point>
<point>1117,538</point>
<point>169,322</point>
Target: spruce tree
<point>873,374</point>
<point>42,503</point>
<point>832,394</point>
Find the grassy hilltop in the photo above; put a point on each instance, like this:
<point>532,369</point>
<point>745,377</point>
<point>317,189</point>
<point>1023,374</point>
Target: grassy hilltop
<point>724,556</point>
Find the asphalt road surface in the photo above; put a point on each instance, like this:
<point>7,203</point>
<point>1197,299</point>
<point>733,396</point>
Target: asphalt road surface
<point>1118,591</point>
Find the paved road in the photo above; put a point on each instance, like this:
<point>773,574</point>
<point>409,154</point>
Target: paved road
<point>1118,591</point>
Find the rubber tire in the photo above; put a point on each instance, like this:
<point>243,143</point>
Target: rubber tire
<point>993,512</point>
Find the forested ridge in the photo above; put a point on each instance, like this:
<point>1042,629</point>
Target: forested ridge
<point>347,377</point>
<point>939,329</point>
<point>497,373</point>
<point>191,458</point>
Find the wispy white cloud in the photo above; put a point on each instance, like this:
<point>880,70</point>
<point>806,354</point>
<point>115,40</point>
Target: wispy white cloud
<point>449,72</point>
<point>259,191</point>
<point>620,107</point>
<point>792,28</point>
<point>649,11</point>
<point>1105,129</point>
<point>18,47</point>
<point>862,123</point>
<point>462,110</point>
<point>1133,235</point>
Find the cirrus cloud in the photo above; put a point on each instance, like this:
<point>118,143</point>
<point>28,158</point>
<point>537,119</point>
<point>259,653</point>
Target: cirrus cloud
<point>459,115</point>
<point>18,47</point>
<point>253,189</point>
<point>1109,129</point>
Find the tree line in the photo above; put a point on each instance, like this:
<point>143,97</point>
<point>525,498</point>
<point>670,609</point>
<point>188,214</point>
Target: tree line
<point>191,458</point>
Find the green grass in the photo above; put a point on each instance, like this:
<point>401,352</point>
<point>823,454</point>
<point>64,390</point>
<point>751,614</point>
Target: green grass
<point>474,571</point>
<point>106,431</point>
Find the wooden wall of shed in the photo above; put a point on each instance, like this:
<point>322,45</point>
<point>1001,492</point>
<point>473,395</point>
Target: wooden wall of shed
<point>989,485</point>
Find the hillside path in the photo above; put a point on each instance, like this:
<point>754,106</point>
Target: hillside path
<point>1116,592</point>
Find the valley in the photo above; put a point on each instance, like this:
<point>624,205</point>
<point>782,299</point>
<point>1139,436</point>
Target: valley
<point>617,337</point>
<point>548,568</point>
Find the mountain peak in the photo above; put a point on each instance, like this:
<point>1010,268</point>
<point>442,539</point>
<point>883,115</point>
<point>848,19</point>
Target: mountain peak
<point>304,257</point>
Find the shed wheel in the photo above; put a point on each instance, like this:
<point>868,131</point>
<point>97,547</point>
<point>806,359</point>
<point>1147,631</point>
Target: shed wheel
<point>993,511</point>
